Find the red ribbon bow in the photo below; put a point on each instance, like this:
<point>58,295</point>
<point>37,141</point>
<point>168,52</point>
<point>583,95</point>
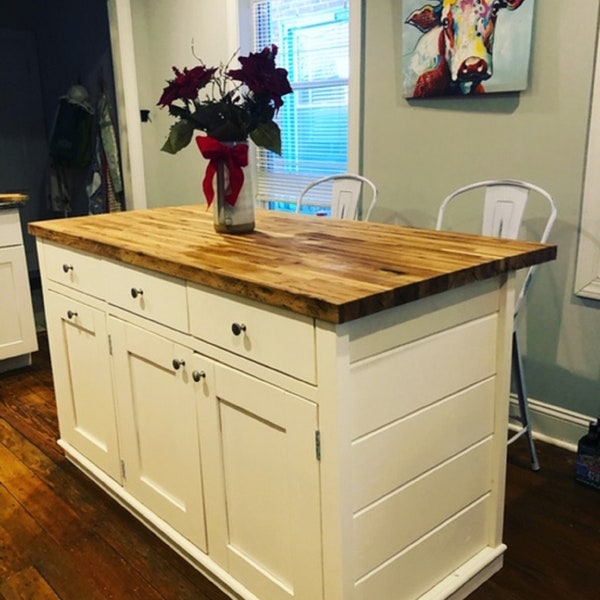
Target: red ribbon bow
<point>235,157</point>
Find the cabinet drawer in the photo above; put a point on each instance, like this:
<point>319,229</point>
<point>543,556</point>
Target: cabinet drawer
<point>268,335</point>
<point>148,294</point>
<point>76,269</point>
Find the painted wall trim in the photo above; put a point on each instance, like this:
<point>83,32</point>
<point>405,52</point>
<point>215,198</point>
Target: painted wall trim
<point>356,88</point>
<point>128,106</point>
<point>552,424</point>
<point>587,277</point>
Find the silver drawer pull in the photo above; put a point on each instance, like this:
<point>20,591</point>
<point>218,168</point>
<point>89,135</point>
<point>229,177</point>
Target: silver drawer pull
<point>135,292</point>
<point>67,268</point>
<point>198,375</point>
<point>178,362</point>
<point>71,314</point>
<point>237,328</point>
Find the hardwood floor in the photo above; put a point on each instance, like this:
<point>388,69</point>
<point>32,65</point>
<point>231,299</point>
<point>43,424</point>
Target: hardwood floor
<point>61,537</point>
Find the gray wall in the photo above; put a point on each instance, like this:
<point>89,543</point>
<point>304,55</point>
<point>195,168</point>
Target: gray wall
<point>419,151</point>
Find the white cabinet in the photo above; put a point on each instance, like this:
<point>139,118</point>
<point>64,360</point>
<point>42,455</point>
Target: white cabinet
<point>158,421</point>
<point>78,340</point>
<point>222,460</point>
<point>196,433</point>
<point>289,457</point>
<point>261,440</point>
<point>79,347</point>
<point>17,328</point>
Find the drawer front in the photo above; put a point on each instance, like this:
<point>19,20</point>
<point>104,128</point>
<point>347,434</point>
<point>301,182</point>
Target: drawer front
<point>148,294</point>
<point>78,270</point>
<point>271,336</point>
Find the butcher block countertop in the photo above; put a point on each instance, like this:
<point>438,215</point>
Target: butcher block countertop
<point>329,269</point>
<point>10,200</point>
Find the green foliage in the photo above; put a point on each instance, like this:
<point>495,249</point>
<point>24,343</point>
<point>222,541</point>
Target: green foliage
<point>180,135</point>
<point>229,105</point>
<point>268,135</point>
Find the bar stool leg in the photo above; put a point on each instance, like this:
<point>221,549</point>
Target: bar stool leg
<point>517,363</point>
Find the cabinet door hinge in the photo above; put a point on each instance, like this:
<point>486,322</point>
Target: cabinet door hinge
<point>123,472</point>
<point>318,444</point>
<point>110,344</point>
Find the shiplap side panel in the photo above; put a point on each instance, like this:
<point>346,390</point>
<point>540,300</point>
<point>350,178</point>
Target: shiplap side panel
<point>394,384</point>
<point>424,503</point>
<point>417,569</point>
<point>394,455</point>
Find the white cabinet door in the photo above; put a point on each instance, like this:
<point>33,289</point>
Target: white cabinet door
<point>17,328</point>
<point>78,341</point>
<point>261,440</point>
<point>158,426</point>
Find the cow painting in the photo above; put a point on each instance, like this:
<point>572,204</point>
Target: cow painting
<point>454,54</point>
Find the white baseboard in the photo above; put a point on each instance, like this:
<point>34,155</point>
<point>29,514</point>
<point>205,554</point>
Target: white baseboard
<point>553,424</point>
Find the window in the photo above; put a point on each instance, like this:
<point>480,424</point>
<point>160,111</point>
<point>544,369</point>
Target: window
<point>313,41</point>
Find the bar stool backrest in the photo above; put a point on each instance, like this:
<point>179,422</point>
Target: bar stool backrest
<point>504,206</point>
<point>352,196</point>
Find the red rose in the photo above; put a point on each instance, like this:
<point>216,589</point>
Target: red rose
<point>261,76</point>
<point>186,84</point>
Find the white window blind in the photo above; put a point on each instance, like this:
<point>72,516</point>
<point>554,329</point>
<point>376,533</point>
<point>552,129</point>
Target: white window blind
<point>313,41</point>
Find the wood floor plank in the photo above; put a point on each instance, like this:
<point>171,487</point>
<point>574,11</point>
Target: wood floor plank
<point>64,574</point>
<point>57,518</point>
<point>27,584</point>
<point>31,411</point>
<point>25,545</point>
<point>18,534</point>
<point>26,452</point>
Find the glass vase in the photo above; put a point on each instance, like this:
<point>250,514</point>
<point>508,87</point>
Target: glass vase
<point>236,218</point>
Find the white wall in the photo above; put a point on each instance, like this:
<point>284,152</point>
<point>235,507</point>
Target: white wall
<point>163,39</point>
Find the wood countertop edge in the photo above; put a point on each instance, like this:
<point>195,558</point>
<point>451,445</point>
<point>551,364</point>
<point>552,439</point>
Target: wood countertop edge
<point>304,304</point>
<point>8,201</point>
<point>13,197</point>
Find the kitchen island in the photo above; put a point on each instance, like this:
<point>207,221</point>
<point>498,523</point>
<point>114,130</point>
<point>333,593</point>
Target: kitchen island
<point>315,410</point>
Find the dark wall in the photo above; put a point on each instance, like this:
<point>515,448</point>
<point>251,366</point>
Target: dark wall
<point>73,47</point>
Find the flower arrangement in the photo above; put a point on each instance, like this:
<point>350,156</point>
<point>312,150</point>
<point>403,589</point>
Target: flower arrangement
<point>229,105</point>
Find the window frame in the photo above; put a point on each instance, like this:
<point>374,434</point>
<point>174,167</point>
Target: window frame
<point>243,10</point>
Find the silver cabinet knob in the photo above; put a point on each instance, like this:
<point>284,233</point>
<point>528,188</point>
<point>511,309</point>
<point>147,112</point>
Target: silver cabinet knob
<point>66,268</point>
<point>198,375</point>
<point>178,362</point>
<point>135,292</point>
<point>71,314</point>
<point>237,328</point>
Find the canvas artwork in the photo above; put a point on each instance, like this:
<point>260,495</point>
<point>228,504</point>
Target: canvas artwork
<point>463,47</point>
